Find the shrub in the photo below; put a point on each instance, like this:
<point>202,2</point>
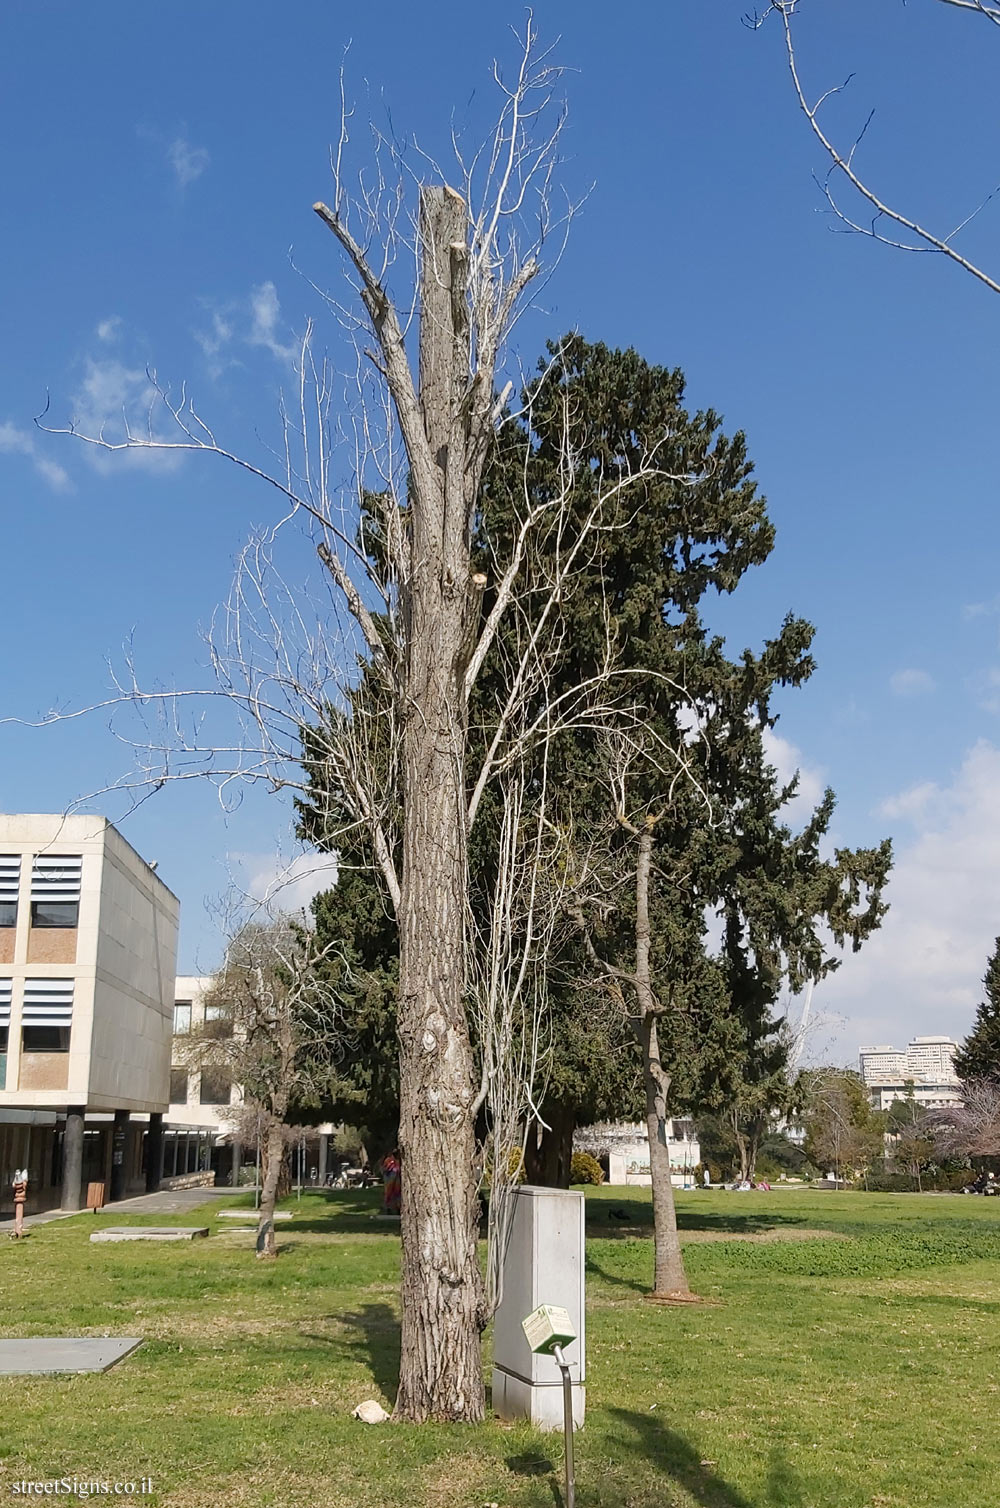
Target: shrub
<point>585,1169</point>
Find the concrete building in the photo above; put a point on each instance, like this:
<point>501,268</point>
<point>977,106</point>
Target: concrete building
<point>925,1069</point>
<point>204,1100</point>
<point>88,944</point>
<point>622,1149</point>
<point>198,1128</point>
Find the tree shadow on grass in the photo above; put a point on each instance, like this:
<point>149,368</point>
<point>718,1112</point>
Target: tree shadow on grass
<point>374,1340</point>
<point>674,1456</point>
<point>349,1212</point>
<point>603,1220</point>
<point>956,1301</point>
<point>535,1464</point>
<point>615,1280</point>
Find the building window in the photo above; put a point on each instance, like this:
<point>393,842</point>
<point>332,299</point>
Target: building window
<point>55,890</point>
<point>218,1021</point>
<point>47,1015</point>
<point>178,1086</point>
<point>45,1039</point>
<point>5,989</point>
<point>55,913</point>
<point>10,880</point>
<point>216,1086</point>
<point>182,1022</point>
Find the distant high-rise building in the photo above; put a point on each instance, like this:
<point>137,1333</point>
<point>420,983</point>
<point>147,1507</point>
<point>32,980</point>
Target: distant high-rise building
<point>878,1063</point>
<point>926,1069</point>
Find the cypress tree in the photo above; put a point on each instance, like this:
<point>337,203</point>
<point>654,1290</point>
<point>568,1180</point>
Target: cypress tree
<point>979,1055</point>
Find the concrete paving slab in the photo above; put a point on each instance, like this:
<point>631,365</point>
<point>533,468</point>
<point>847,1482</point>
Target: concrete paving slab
<point>58,1353</point>
<point>250,1215</point>
<point>150,1233</point>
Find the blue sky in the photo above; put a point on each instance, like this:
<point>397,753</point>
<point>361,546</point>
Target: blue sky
<point>161,165</point>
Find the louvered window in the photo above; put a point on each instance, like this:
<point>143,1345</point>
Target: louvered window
<point>55,890</point>
<point>47,1015</point>
<point>10,879</point>
<point>4,1027</point>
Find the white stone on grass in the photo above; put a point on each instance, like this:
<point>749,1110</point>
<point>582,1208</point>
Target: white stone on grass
<point>371,1412</point>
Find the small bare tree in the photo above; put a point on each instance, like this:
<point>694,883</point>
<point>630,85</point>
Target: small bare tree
<point>275,1026</point>
<point>594,888</point>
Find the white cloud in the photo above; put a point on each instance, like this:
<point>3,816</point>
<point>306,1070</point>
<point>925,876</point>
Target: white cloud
<point>187,161</point>
<point>981,609</point>
<point>114,400</point>
<point>910,804</point>
<point>921,972</point>
<point>251,321</point>
<point>109,329</point>
<point>787,760</point>
<point>266,311</point>
<point>911,683</point>
<point>212,341</point>
<point>280,885</point>
<point>21,442</point>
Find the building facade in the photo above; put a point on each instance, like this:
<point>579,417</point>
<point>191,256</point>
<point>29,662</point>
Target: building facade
<point>925,1070</point>
<point>622,1149</point>
<point>199,1132</point>
<point>88,944</point>
<point>204,1130</point>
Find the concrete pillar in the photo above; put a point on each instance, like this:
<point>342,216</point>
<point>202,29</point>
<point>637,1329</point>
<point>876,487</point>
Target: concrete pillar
<point>235,1174</point>
<point>154,1152</point>
<point>72,1177</point>
<point>544,1264</point>
<point>119,1166</point>
<point>324,1144</point>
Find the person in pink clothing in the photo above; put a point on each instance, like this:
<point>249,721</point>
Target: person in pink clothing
<point>392,1189</point>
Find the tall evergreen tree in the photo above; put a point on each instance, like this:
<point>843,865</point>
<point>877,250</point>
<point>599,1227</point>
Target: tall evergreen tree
<point>979,1055</point>
<point>721,843</point>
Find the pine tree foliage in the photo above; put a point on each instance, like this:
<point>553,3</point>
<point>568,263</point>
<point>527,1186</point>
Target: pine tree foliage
<point>979,1055</point>
<point>738,901</point>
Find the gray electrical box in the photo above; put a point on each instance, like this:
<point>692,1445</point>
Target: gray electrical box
<point>544,1265</point>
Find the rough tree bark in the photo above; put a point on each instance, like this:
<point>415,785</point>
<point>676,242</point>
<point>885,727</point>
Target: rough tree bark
<point>274,1151</point>
<point>443,1307</point>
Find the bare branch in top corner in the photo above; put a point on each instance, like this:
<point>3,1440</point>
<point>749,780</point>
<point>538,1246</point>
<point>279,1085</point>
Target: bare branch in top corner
<point>910,234</point>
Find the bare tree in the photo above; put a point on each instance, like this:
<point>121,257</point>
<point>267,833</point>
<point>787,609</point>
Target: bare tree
<point>843,1132</point>
<point>404,598</point>
<point>971,1128</point>
<point>592,891</point>
<point>883,221</point>
<point>274,1025</point>
<point>508,988</point>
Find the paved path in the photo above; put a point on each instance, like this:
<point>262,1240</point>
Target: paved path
<point>166,1202</point>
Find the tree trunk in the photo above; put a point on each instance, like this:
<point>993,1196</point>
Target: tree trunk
<point>669,1277</point>
<point>548,1158</point>
<point>274,1148</point>
<point>441,1373</point>
<point>743,1152</point>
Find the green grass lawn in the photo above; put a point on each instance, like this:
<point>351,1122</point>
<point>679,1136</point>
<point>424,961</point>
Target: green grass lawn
<point>854,1368</point>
